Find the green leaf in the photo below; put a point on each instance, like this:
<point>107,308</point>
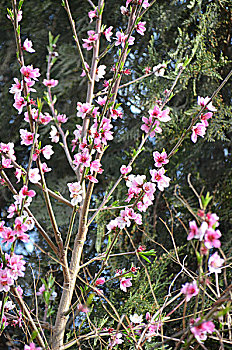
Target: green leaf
<point>34,335</point>
<point>20,4</point>
<point>10,13</point>
<point>46,296</point>
<point>90,299</point>
<point>144,257</point>
<point>44,282</point>
<point>151,252</point>
<point>51,281</point>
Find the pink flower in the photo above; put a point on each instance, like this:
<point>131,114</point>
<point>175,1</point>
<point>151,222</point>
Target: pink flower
<point>16,265</point>
<point>108,33</point>
<point>147,70</point>
<point>125,169</point>
<point>122,38</point>
<point>45,118</point>
<point>204,102</point>
<point>83,308</point>
<point>115,340</point>
<point>34,175</point>
<point>17,87</point>
<point>200,331</point>
<point>101,100</point>
<point>27,46</point>
<point>92,14</point>
<point>31,347</point>
<point>159,177</point>
<point>211,238</point>
<point>125,283</point>
<point>83,74</point>
<point>124,11</point>
<point>115,113</point>
<point>100,281</point>
<point>6,163</point>
<point>8,236</point>
<point>160,158</point>
<point>212,219</point>
<point>5,280</point>
<point>82,158</point>
<point>20,227</point>
<point>19,103</point>
<point>91,178</point>
<point>83,109</point>
<point>89,43</point>
<point>198,130</point>
<point>144,3</point>
<point>151,126</point>
<point>47,151</point>
<point>62,118</point>
<point>162,116</point>
<point>190,290</point>
<point>41,290</point>
<point>96,166</point>
<point>54,134</point>
<point>215,263</point>
<point>45,168</point>
<point>50,83</point>
<point>20,290</point>
<point>30,73</point>
<point>19,16</point>
<point>205,117</point>
<point>193,230</point>
<point>140,28</point>
<point>18,174</point>
<point>24,192</point>
<point>27,137</point>
<point>75,192</point>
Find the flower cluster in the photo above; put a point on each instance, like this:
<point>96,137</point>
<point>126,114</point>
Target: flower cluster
<point>208,233</point>
<point>152,123</point>
<point>200,128</point>
<point>200,331</point>
<point>11,268</point>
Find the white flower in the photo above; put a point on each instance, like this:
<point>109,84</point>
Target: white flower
<point>101,71</point>
<point>136,318</point>
<point>54,135</point>
<point>159,69</point>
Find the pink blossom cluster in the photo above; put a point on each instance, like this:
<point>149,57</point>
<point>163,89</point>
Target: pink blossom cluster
<point>24,197</point>
<point>30,75</point>
<point>200,331</point>
<point>137,324</point>
<point>158,176</point>
<point>98,136</point>
<point>12,268</point>
<point>90,42</point>
<point>7,150</point>
<point>42,118</point>
<point>124,220</point>
<point>208,233</point>
<point>200,128</point>
<point>75,192</point>
<point>152,123</point>
<point>7,316</point>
